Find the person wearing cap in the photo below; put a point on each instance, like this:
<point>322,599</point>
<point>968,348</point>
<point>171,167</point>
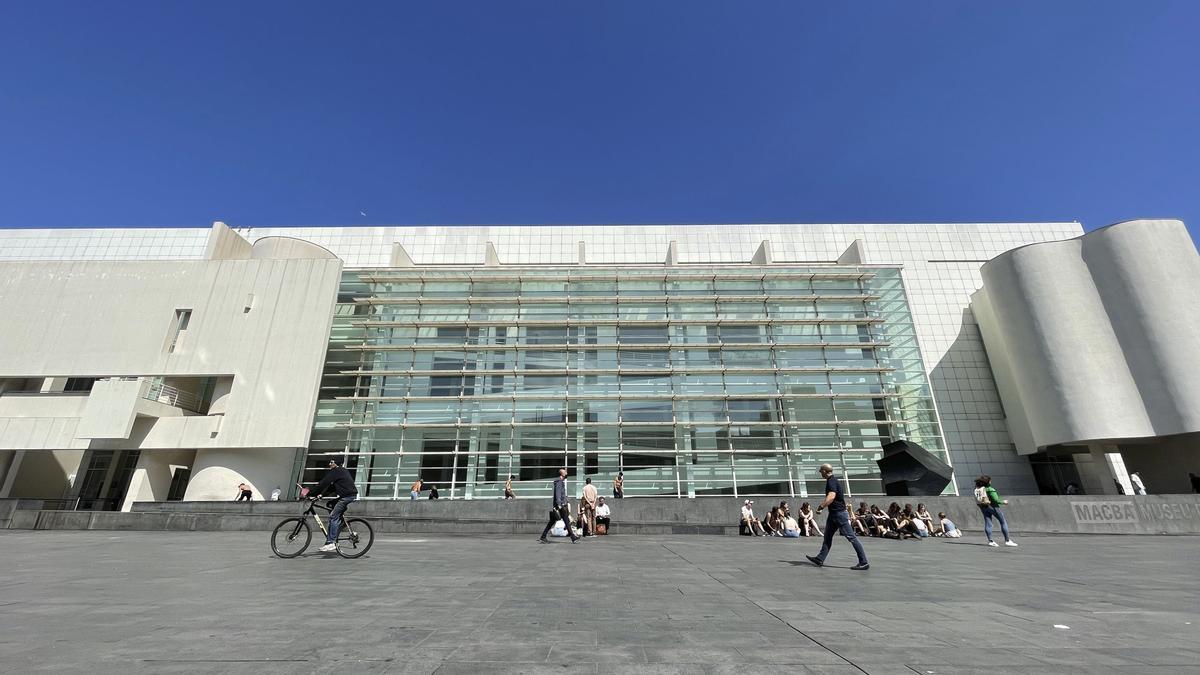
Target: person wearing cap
<point>342,483</point>
<point>752,524</point>
<point>560,509</point>
<point>838,521</point>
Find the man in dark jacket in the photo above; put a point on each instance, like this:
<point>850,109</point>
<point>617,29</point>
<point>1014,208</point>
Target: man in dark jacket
<point>561,508</point>
<point>342,483</point>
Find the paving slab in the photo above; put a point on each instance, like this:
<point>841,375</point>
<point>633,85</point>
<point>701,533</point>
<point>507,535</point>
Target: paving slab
<point>220,602</point>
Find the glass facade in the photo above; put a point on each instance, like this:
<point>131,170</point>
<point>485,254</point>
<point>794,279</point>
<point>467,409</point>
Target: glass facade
<point>693,380</point>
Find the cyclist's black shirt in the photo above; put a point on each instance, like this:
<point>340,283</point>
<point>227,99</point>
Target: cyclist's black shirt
<point>340,480</point>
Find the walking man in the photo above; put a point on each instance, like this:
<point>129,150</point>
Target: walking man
<point>838,521</point>
<point>587,508</point>
<point>559,510</point>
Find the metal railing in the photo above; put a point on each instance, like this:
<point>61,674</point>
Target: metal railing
<point>158,391</point>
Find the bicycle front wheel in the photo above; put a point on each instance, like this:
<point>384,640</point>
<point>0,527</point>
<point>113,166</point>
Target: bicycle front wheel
<point>291,537</point>
<point>355,538</point>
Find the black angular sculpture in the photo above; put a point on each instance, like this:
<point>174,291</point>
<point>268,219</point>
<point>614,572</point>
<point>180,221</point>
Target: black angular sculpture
<point>907,469</point>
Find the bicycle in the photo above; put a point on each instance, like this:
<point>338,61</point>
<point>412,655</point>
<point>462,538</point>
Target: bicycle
<point>292,536</point>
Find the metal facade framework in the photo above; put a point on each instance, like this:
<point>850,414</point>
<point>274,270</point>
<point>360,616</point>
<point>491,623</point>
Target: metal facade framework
<point>693,380</point>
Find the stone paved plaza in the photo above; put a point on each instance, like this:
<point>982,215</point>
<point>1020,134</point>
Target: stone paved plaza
<point>221,603</point>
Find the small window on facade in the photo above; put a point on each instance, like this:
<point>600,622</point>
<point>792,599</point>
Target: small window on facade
<point>180,324</point>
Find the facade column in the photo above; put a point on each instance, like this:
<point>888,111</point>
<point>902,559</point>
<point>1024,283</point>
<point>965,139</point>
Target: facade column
<point>1107,465</point>
<point>10,475</point>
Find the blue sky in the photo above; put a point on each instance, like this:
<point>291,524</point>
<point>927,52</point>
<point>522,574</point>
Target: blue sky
<point>304,113</point>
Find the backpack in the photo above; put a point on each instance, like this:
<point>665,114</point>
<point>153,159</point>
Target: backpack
<point>981,497</point>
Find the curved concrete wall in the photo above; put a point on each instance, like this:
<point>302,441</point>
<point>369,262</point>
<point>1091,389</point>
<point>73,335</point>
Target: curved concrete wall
<point>1096,338</point>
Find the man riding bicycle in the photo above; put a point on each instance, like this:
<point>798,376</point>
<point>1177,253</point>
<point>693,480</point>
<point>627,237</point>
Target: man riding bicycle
<point>342,483</point>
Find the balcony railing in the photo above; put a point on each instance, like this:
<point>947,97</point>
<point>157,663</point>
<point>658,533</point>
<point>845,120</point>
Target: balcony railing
<point>158,391</point>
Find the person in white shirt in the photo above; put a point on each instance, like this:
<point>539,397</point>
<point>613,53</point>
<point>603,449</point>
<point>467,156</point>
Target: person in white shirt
<point>1139,488</point>
<point>603,515</point>
<point>275,494</point>
<point>749,521</point>
<point>790,527</point>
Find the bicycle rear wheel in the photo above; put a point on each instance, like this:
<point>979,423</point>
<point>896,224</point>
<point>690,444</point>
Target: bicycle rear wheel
<point>291,537</point>
<point>355,538</point>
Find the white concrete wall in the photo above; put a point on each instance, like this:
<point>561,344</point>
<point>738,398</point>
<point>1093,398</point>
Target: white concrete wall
<point>101,318</point>
<point>111,409</point>
<point>1097,338</point>
<point>217,473</point>
<point>151,480</point>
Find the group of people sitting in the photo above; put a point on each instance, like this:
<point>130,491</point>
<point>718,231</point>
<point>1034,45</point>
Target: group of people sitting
<point>897,523</point>
<point>901,523</point>
<point>779,522</point>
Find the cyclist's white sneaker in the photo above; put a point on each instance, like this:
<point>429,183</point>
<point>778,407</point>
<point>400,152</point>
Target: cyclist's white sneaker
<point>328,548</point>
<point>992,543</point>
<point>1010,542</point>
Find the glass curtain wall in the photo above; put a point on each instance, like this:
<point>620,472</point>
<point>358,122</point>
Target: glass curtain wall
<point>693,381</point>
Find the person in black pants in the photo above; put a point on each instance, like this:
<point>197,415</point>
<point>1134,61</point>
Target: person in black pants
<point>342,483</point>
<point>839,521</point>
<point>559,508</point>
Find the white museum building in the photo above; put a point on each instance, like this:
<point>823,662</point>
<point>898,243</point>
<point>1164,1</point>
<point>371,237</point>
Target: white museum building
<point>150,364</point>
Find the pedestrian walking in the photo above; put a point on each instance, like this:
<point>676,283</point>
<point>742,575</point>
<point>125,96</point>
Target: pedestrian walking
<point>837,521</point>
<point>989,503</point>
<point>559,509</point>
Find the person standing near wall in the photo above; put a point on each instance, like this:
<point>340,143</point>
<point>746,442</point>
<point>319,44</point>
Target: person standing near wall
<point>508,491</point>
<point>587,508</point>
<point>989,503</point>
<point>414,492</point>
<point>619,486</point>
<point>559,509</point>
<point>1139,488</point>
<point>838,521</point>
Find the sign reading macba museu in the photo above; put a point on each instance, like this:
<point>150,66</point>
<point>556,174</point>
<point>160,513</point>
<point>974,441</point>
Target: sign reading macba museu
<point>1128,512</point>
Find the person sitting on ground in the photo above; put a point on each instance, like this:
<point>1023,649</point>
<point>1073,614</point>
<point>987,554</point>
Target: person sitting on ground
<point>923,514</point>
<point>899,523</point>
<point>808,522</point>
<point>769,522</point>
<point>918,526</point>
<point>865,519</point>
<point>433,493</point>
<point>946,527</point>
<point>749,521</point>
<point>508,491</point>
<point>857,524</point>
<point>414,492</point>
<point>790,527</point>
<point>603,517</point>
<point>777,521</point>
<point>881,521</point>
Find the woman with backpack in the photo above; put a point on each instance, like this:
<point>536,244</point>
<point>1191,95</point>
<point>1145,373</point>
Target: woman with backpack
<point>989,503</point>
